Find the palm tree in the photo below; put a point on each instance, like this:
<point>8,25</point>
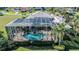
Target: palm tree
<point>75,23</point>
<point>58,32</point>
<point>58,29</point>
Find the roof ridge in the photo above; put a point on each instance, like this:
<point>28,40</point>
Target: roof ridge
<point>39,14</point>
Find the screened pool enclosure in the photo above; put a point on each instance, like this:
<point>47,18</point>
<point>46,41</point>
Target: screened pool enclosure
<point>36,27</point>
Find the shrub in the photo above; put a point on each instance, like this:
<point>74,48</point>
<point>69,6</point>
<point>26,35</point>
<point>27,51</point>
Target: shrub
<point>59,47</point>
<point>6,45</point>
<point>71,39</point>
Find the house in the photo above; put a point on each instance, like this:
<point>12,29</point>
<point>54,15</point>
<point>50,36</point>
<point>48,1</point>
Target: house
<point>39,8</point>
<point>35,27</point>
<point>20,9</point>
<point>16,9</point>
<point>24,9</point>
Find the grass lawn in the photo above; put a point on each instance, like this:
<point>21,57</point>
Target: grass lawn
<point>14,13</point>
<point>4,20</point>
<point>22,49</point>
<point>10,13</point>
<point>35,48</point>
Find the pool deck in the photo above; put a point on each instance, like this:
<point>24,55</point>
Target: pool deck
<point>20,37</point>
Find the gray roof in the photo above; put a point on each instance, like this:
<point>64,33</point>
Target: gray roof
<point>35,19</point>
<point>40,14</point>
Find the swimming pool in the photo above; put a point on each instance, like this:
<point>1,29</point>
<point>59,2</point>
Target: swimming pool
<point>33,37</point>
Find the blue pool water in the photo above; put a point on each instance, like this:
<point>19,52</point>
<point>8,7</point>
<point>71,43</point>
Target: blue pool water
<point>32,37</point>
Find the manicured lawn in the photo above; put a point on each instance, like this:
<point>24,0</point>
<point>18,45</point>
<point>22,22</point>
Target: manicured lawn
<point>4,20</point>
<point>10,13</point>
<point>22,49</point>
<point>18,13</point>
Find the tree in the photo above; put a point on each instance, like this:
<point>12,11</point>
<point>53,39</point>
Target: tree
<point>1,35</point>
<point>6,45</point>
<point>2,41</point>
<point>58,32</point>
<point>71,38</point>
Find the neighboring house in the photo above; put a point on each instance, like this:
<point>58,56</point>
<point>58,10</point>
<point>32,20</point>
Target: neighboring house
<point>16,9</point>
<point>39,8</point>
<point>3,8</point>
<point>24,9</point>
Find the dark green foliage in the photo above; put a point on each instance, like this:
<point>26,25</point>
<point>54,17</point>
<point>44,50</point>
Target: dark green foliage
<point>10,45</point>
<point>1,35</point>
<point>71,39</point>
<point>39,43</point>
<point>6,45</point>
<point>18,44</point>
<point>2,44</point>
<point>35,43</point>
